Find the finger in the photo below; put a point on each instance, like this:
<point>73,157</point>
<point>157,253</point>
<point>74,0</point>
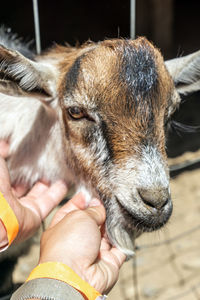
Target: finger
<point>42,199</point>
<point>4,148</point>
<point>38,188</point>
<point>97,213</point>
<point>19,190</point>
<point>119,256</point>
<point>5,178</point>
<point>113,256</point>
<point>77,202</point>
<point>105,245</point>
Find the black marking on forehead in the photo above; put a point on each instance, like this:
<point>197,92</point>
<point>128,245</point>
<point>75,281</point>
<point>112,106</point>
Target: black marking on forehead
<point>139,69</point>
<point>73,74</point>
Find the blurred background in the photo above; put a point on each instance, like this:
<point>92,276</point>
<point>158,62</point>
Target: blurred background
<point>171,24</point>
<point>167,264</point>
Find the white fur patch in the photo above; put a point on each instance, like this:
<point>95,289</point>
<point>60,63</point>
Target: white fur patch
<point>87,194</point>
<point>36,149</point>
<point>149,171</point>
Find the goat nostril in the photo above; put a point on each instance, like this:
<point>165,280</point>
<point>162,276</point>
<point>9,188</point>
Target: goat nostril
<point>154,198</point>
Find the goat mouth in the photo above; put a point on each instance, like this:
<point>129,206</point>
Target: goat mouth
<point>137,223</point>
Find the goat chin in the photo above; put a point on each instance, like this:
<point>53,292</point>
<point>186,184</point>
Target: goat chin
<point>122,240</point>
<point>117,230</point>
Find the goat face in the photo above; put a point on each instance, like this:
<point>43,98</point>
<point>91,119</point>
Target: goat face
<point>112,100</point>
<point>115,99</point>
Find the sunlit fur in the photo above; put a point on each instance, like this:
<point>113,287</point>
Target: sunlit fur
<point>116,150</point>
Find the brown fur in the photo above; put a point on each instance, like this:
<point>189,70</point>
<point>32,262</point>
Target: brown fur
<point>105,70</point>
<point>114,147</point>
<point>116,151</point>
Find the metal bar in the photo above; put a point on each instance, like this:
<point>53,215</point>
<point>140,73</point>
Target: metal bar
<point>37,26</point>
<point>184,165</point>
<point>135,275</point>
<point>132,18</point>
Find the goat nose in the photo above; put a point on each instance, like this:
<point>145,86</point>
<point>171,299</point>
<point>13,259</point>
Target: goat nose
<point>156,198</point>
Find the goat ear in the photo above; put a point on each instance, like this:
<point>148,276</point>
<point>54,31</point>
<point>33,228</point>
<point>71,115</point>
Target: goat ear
<point>185,72</point>
<point>28,74</point>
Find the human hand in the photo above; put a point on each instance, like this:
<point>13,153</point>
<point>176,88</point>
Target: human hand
<point>76,237</point>
<point>32,208</point>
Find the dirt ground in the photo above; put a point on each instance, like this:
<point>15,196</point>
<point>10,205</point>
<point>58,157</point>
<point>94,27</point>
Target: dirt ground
<point>167,263</point>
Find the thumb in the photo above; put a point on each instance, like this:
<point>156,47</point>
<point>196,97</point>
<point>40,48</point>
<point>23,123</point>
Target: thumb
<point>4,148</point>
<point>96,211</point>
<point>42,198</point>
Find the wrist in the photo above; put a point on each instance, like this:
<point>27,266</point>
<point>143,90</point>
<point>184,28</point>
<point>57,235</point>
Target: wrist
<point>9,224</point>
<point>3,237</point>
<point>62,272</point>
<point>76,267</point>
<point>26,220</point>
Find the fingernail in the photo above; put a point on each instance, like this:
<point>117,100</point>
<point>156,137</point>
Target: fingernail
<point>94,202</point>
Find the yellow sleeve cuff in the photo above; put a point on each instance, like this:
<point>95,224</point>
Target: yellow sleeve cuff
<point>60,271</point>
<point>9,219</point>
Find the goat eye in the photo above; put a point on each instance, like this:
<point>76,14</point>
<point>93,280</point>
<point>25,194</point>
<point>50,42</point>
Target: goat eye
<point>76,113</point>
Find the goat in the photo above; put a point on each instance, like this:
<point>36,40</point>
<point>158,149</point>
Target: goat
<point>95,115</point>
